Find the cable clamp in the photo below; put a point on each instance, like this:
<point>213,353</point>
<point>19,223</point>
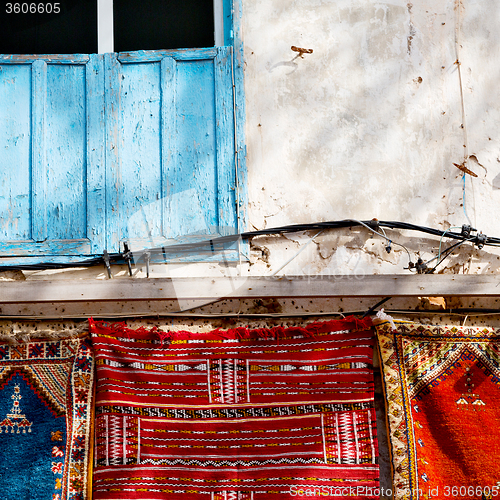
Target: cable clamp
<point>374,224</point>
<point>105,257</point>
<point>421,266</point>
<point>480,240</point>
<point>467,230</point>
<point>411,266</point>
<point>127,256</point>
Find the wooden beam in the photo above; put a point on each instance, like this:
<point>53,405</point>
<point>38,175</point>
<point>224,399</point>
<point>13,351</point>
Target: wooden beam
<point>167,289</point>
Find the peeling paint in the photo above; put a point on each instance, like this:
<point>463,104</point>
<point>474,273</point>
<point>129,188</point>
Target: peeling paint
<point>369,125</point>
<point>106,158</point>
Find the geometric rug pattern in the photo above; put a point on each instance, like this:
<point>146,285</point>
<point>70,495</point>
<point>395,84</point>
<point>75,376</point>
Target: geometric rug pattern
<point>46,391</point>
<point>241,414</point>
<point>442,390</point>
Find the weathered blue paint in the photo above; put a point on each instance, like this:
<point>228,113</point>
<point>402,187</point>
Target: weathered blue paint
<point>138,177</point>
<point>47,170</point>
<point>15,130</point>
<point>225,145</point>
<point>95,154</point>
<point>137,151</point>
<point>229,27</point>
<point>65,143</point>
<point>168,134</point>
<point>170,147</point>
<point>193,184</point>
<point>47,58</point>
<point>112,157</point>
<point>38,153</point>
<point>158,55</point>
<point>101,149</point>
<point>239,120</point>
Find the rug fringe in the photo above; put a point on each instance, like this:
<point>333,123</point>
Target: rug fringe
<point>242,333</point>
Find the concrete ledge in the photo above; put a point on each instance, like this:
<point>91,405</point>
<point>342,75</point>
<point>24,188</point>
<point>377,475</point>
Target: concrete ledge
<point>158,289</point>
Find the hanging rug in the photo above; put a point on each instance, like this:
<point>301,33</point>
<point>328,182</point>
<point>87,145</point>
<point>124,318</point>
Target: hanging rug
<point>46,390</point>
<point>442,390</point>
<point>239,414</point>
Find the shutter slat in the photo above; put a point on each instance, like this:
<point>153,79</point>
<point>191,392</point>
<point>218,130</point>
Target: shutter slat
<point>112,126</point>
<point>96,140</point>
<point>168,137</point>
<point>225,142</point>
<point>38,159</point>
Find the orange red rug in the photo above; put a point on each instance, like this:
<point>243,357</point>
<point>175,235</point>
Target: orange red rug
<point>442,389</point>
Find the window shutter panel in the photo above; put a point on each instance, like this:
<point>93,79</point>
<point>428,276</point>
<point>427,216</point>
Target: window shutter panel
<point>51,168</point>
<point>170,147</point>
<point>102,149</point>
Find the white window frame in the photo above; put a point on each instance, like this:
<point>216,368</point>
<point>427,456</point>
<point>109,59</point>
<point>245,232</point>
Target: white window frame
<point>105,25</point>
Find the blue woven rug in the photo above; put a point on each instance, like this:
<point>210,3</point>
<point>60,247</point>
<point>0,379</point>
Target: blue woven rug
<point>45,416</point>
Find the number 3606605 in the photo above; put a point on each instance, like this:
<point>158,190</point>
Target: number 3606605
<point>33,8</point>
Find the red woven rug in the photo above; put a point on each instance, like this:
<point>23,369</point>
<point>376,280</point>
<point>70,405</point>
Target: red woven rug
<point>442,386</point>
<point>263,414</point>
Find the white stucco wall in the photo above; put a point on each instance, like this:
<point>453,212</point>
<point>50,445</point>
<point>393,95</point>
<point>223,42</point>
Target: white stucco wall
<point>367,125</point>
<point>370,124</point>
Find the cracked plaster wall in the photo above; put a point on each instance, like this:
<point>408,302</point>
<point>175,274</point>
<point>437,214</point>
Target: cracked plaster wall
<point>370,125</point>
<point>367,125</point>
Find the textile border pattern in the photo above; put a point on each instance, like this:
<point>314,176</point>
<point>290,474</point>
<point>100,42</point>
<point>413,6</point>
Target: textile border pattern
<point>243,414</point>
<point>46,393</point>
<point>442,390</point>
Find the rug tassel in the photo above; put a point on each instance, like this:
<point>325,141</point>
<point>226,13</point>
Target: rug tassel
<point>381,315</point>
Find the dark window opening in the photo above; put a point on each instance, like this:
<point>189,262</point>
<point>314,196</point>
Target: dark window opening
<point>162,24</point>
<point>66,27</point>
<point>70,26</point>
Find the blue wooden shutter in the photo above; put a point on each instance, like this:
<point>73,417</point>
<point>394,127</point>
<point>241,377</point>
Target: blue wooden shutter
<point>170,146</point>
<point>97,150</point>
<point>51,157</point>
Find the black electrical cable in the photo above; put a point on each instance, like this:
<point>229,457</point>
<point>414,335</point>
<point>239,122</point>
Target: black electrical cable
<point>93,261</point>
<point>445,254</point>
<point>219,243</point>
<point>448,251</point>
<point>348,223</point>
<point>378,304</point>
<point>163,314</point>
